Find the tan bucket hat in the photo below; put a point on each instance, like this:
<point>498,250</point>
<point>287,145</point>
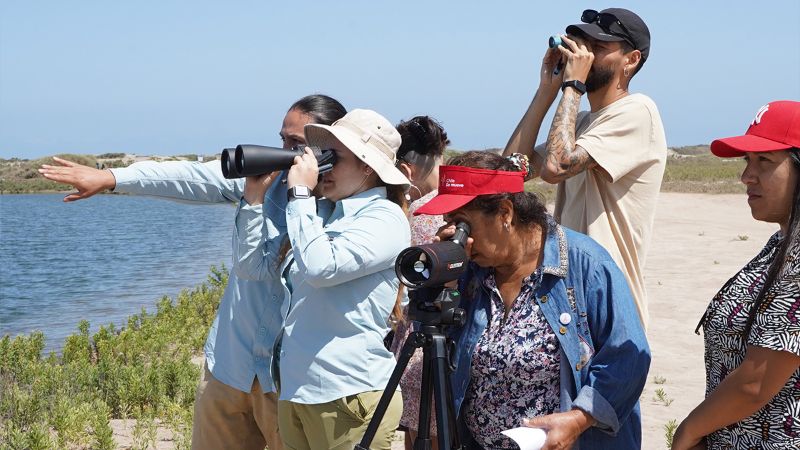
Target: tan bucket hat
<point>367,134</point>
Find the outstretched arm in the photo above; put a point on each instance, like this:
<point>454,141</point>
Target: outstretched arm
<point>179,180</point>
<point>87,180</point>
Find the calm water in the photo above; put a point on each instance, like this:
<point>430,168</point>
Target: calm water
<point>101,259</point>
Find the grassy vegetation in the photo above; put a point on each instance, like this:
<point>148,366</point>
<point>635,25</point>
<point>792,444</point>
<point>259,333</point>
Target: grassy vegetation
<point>703,173</point>
<point>142,371</point>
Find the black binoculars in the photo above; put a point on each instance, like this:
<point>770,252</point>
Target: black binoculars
<point>251,160</point>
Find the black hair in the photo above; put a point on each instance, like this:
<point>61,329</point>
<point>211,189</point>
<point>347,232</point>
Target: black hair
<point>785,249</point>
<point>323,109</point>
<point>423,141</point>
<point>528,209</point>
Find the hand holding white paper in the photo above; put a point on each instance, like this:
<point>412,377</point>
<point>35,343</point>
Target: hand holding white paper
<point>527,438</point>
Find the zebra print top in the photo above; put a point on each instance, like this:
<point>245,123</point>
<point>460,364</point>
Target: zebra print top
<point>776,327</point>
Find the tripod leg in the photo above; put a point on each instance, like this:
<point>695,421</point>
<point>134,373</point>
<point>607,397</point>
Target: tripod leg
<point>414,341</point>
<point>444,420</point>
<point>436,387</point>
<point>423,439</point>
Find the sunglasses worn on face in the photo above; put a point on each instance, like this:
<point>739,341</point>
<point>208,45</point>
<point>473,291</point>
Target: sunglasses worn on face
<point>609,23</point>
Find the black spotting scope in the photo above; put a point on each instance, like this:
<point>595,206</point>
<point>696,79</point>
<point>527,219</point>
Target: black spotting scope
<point>434,264</point>
<point>249,160</point>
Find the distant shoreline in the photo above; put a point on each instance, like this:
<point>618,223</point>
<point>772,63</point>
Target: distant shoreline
<point>52,191</point>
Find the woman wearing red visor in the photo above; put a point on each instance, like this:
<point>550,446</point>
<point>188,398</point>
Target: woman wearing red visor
<point>752,326</point>
<point>552,338</point>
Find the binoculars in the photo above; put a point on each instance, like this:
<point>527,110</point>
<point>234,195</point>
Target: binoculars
<point>555,41</point>
<point>251,160</point>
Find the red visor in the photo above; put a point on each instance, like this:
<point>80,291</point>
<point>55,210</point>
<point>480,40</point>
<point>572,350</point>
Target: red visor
<point>458,185</point>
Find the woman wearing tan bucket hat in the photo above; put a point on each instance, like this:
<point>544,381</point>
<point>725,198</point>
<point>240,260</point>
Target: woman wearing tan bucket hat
<point>751,327</point>
<point>338,273</point>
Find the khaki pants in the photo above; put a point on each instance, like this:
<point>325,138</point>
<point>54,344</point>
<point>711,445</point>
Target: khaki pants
<point>225,417</point>
<point>337,425</point>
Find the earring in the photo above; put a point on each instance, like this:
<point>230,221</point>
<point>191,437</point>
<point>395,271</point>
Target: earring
<point>506,225</point>
<point>408,192</point>
<point>625,72</point>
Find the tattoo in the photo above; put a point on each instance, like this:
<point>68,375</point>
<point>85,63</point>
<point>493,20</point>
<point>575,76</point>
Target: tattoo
<point>564,158</point>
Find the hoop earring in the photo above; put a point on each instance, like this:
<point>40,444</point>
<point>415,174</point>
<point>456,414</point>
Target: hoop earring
<point>408,195</point>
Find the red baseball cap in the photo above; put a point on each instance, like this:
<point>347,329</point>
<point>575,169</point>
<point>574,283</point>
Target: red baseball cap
<point>775,127</point>
<point>458,185</point>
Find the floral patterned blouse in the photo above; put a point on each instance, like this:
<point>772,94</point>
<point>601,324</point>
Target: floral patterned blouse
<point>515,368</point>
<point>776,327</point>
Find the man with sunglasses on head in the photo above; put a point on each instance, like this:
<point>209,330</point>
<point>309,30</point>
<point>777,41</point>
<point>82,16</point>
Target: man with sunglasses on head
<point>608,162</point>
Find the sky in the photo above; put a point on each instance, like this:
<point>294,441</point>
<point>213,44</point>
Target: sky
<point>161,77</point>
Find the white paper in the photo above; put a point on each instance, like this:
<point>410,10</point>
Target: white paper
<point>527,438</point>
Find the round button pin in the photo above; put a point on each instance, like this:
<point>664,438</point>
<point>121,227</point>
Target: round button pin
<point>565,318</point>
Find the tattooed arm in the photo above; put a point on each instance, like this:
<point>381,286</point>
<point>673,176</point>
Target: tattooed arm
<point>565,159</point>
<point>523,139</point>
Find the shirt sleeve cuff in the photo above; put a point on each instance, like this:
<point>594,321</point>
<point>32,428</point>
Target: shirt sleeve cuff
<point>302,206</point>
<point>123,176</point>
<point>590,401</point>
<point>249,212</point>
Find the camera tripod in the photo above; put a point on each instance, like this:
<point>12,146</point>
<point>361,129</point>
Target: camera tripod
<point>435,316</point>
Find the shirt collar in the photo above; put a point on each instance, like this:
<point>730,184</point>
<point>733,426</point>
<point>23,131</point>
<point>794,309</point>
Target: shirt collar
<point>555,260</point>
<point>350,205</point>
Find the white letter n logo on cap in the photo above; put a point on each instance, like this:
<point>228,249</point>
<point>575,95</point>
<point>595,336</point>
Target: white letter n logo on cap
<point>759,114</point>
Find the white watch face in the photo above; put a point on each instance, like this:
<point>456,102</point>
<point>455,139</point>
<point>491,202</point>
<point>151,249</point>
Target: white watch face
<point>301,192</point>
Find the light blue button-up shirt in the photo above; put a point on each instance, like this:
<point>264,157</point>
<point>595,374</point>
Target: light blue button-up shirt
<point>241,340</point>
<point>340,287</point>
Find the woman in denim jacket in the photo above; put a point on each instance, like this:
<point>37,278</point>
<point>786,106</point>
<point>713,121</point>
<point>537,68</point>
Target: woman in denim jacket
<point>552,338</point>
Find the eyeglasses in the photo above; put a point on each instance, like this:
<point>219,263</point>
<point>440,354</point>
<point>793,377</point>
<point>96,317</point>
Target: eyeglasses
<point>609,23</point>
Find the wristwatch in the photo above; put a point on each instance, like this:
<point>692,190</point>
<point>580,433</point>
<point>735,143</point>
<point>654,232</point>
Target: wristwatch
<point>299,191</point>
<point>577,85</point>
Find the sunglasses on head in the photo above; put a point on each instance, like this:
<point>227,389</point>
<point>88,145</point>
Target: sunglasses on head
<point>609,23</point>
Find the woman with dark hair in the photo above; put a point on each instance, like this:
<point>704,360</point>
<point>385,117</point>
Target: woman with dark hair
<point>236,401</point>
<point>751,327</point>
<point>338,281</point>
<point>552,338</point>
<point>419,157</point>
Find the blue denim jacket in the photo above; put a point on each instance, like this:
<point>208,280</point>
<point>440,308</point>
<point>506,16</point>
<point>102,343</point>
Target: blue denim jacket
<point>604,352</point>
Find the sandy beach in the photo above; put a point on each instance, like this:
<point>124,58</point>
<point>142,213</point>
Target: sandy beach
<point>699,242</point>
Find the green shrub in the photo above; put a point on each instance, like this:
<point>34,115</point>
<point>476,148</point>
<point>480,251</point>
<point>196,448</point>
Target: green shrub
<point>143,370</point>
